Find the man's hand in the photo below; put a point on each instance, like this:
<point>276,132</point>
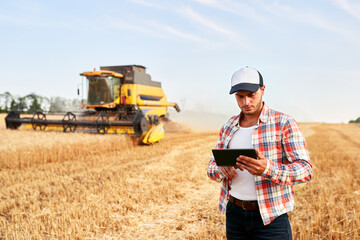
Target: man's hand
<point>254,166</point>
<point>229,172</point>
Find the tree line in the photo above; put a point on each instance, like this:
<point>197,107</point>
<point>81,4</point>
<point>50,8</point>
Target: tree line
<point>33,102</point>
<point>355,121</point>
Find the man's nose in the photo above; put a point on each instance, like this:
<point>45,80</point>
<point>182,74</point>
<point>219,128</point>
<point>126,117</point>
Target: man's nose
<point>246,100</point>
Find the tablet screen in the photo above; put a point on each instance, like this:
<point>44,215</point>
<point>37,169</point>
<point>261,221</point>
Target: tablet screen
<point>227,157</point>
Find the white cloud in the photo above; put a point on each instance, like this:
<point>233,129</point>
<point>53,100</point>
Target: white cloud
<point>39,21</point>
<point>189,13</point>
<point>158,30</point>
<point>312,18</point>
<point>227,36</point>
<point>352,8</point>
<point>237,8</point>
<point>19,21</point>
<point>131,27</point>
<point>196,35</point>
<point>146,3</point>
<point>177,33</point>
<point>197,18</point>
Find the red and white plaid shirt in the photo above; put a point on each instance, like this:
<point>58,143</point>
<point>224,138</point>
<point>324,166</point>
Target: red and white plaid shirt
<point>279,138</point>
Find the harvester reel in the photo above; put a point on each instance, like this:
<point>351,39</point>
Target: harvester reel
<point>37,119</point>
<point>102,122</point>
<point>69,122</point>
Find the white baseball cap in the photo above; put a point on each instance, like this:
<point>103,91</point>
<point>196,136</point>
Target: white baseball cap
<point>247,79</point>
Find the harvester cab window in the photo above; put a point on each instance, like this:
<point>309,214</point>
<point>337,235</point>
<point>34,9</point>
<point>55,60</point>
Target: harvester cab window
<point>102,90</point>
<point>116,87</point>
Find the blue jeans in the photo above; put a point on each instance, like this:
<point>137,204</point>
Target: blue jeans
<point>242,224</point>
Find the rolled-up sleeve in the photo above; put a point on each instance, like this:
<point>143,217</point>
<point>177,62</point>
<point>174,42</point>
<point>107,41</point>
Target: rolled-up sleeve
<point>212,169</point>
<point>298,168</point>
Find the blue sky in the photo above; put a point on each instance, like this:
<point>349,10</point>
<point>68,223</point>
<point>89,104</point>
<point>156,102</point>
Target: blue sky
<point>307,51</point>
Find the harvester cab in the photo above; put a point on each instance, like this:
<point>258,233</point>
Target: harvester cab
<point>119,99</point>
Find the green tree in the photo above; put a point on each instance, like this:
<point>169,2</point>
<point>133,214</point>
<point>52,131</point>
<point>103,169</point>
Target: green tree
<point>35,102</point>
<point>355,121</point>
<point>5,99</point>
<point>22,106</point>
<point>57,104</point>
<point>13,105</point>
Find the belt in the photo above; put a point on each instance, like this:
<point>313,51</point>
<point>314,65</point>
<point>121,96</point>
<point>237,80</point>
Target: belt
<point>245,205</point>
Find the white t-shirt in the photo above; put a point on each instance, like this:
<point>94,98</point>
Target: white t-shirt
<point>243,186</point>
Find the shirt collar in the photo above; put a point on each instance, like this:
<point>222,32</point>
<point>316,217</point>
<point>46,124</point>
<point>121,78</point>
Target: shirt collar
<point>264,113</point>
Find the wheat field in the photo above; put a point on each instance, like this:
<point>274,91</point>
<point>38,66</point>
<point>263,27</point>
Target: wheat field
<point>84,186</point>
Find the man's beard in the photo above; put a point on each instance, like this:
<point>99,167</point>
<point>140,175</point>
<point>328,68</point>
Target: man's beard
<point>257,107</point>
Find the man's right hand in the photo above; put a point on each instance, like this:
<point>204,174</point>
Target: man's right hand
<point>229,172</point>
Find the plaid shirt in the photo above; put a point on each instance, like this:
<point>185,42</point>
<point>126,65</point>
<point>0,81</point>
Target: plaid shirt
<point>279,138</point>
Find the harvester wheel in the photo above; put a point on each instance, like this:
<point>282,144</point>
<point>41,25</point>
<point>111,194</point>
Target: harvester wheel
<point>140,125</point>
<point>37,121</point>
<point>143,124</point>
<point>69,122</point>
<point>102,122</point>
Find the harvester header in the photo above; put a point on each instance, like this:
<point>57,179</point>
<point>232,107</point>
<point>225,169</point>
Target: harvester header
<point>119,99</point>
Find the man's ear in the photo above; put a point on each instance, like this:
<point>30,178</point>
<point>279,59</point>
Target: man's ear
<point>262,90</point>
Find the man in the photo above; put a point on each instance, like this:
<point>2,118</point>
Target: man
<point>258,193</point>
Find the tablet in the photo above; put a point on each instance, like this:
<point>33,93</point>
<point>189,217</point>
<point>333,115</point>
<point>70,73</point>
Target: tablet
<point>227,157</point>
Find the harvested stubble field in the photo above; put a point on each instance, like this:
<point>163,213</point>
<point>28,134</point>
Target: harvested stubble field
<point>82,186</point>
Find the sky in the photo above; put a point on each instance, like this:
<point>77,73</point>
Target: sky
<point>308,52</point>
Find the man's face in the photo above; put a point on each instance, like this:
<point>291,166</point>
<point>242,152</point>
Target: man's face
<point>249,102</point>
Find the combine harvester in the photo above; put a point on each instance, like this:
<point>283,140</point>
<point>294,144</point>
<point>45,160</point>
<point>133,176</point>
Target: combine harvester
<point>120,99</point>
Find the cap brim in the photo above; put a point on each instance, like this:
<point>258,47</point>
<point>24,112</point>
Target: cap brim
<point>244,87</point>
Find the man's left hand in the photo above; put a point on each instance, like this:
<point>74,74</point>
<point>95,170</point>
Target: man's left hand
<point>253,166</point>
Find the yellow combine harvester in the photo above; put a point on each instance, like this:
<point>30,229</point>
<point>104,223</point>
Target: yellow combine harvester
<point>120,99</point>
